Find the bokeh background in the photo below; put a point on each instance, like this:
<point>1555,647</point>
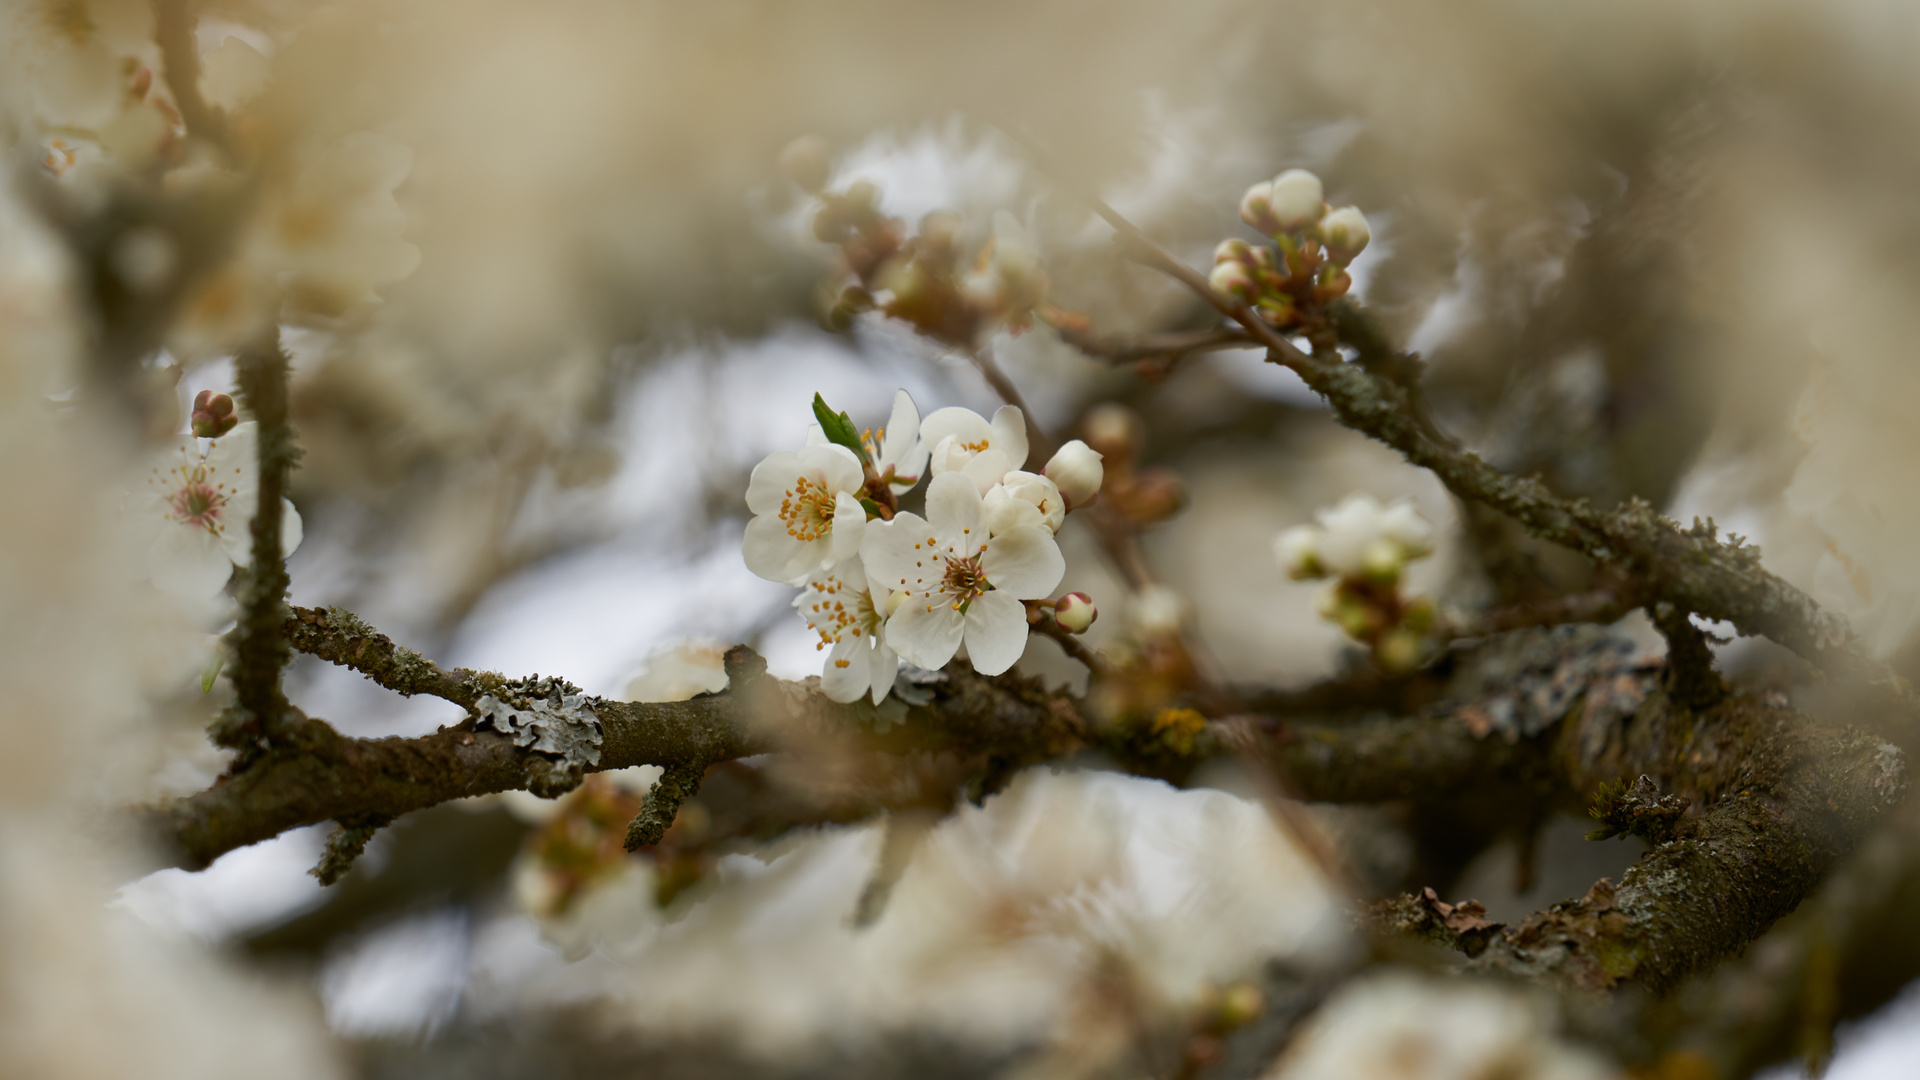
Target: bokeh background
<point>1655,249</point>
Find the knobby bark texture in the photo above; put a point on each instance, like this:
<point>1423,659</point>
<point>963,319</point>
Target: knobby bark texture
<point>1559,716</point>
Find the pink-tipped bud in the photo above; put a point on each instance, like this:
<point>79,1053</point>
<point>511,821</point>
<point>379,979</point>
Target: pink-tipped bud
<point>1076,470</point>
<point>1075,612</point>
<point>1233,251</point>
<point>1233,279</point>
<point>1296,200</point>
<point>212,415</point>
<point>1256,209</point>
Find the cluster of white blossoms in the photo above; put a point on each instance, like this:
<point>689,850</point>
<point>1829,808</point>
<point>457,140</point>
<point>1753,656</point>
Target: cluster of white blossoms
<point>879,584</point>
<point>1359,538</point>
<point>1365,548</point>
<point>193,513</point>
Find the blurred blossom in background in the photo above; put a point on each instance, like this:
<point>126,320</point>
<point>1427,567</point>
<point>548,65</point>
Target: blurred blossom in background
<point>549,301</point>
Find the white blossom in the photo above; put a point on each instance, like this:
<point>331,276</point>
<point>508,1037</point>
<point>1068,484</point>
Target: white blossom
<point>1256,209</point>
<point>1022,499</point>
<point>1296,198</point>
<point>984,451</point>
<point>195,508</point>
<point>1076,468</point>
<point>960,584</point>
<point>807,512</point>
<point>1357,538</point>
<point>1009,281</point>
<point>898,452</point>
<point>1345,233</point>
<point>839,606</point>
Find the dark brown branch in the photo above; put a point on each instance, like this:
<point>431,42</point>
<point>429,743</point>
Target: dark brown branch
<point>339,637</point>
<point>1691,569</point>
<point>1171,346</point>
<point>260,649</point>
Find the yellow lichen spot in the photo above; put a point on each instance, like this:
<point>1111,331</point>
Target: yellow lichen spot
<point>1176,728</point>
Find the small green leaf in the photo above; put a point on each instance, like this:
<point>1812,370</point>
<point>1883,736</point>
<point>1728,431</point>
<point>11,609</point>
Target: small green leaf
<point>872,508</point>
<point>211,673</point>
<point>839,429</point>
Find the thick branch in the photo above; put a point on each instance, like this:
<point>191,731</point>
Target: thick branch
<point>1692,569</point>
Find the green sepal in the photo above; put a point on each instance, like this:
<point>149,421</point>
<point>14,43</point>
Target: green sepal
<point>839,429</point>
<point>211,673</point>
<point>872,508</point>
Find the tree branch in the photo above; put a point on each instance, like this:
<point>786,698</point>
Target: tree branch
<point>1691,569</point>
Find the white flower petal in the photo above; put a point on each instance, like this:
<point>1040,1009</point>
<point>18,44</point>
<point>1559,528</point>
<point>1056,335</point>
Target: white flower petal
<point>849,527</point>
<point>953,505</point>
<point>771,481</point>
<point>899,555</point>
<point>292,529</point>
<point>1010,435</point>
<point>836,465</point>
<point>926,631</point>
<point>772,552</point>
<point>1004,513</point>
<point>238,449</point>
<point>996,632</point>
<point>987,468</point>
<point>847,670</point>
<point>964,425</point>
<point>1024,564</point>
<point>885,664</point>
<point>903,434</point>
<point>188,561</point>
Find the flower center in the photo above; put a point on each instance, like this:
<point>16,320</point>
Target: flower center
<point>196,500</point>
<point>835,610</point>
<point>964,580</point>
<point>807,509</point>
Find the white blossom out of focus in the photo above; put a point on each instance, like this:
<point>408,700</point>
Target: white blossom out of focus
<point>807,512</point>
<point>960,584</point>
<point>982,450</point>
<point>1399,1027</point>
<point>839,606</point>
<point>194,510</point>
<point>678,672</point>
<point>1357,538</point>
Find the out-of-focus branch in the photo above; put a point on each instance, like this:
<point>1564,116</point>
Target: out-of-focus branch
<point>180,55</point>
<point>1689,568</point>
<point>260,650</point>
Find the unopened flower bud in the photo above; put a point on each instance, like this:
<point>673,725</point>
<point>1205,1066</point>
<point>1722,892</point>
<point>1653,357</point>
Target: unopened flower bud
<point>1345,233</point>
<point>1157,609</point>
<point>1298,552</point>
<point>1022,498</point>
<point>1233,251</point>
<point>1076,469</point>
<point>807,161</point>
<point>864,193</point>
<point>1256,209</point>
<point>1232,279</point>
<point>1296,199</point>
<point>212,415</point>
<point>1113,430</point>
<point>1075,612</point>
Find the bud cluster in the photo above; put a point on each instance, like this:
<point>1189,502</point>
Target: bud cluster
<point>212,415</point>
<point>1365,549</point>
<point>1315,244</point>
<point>931,278</point>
